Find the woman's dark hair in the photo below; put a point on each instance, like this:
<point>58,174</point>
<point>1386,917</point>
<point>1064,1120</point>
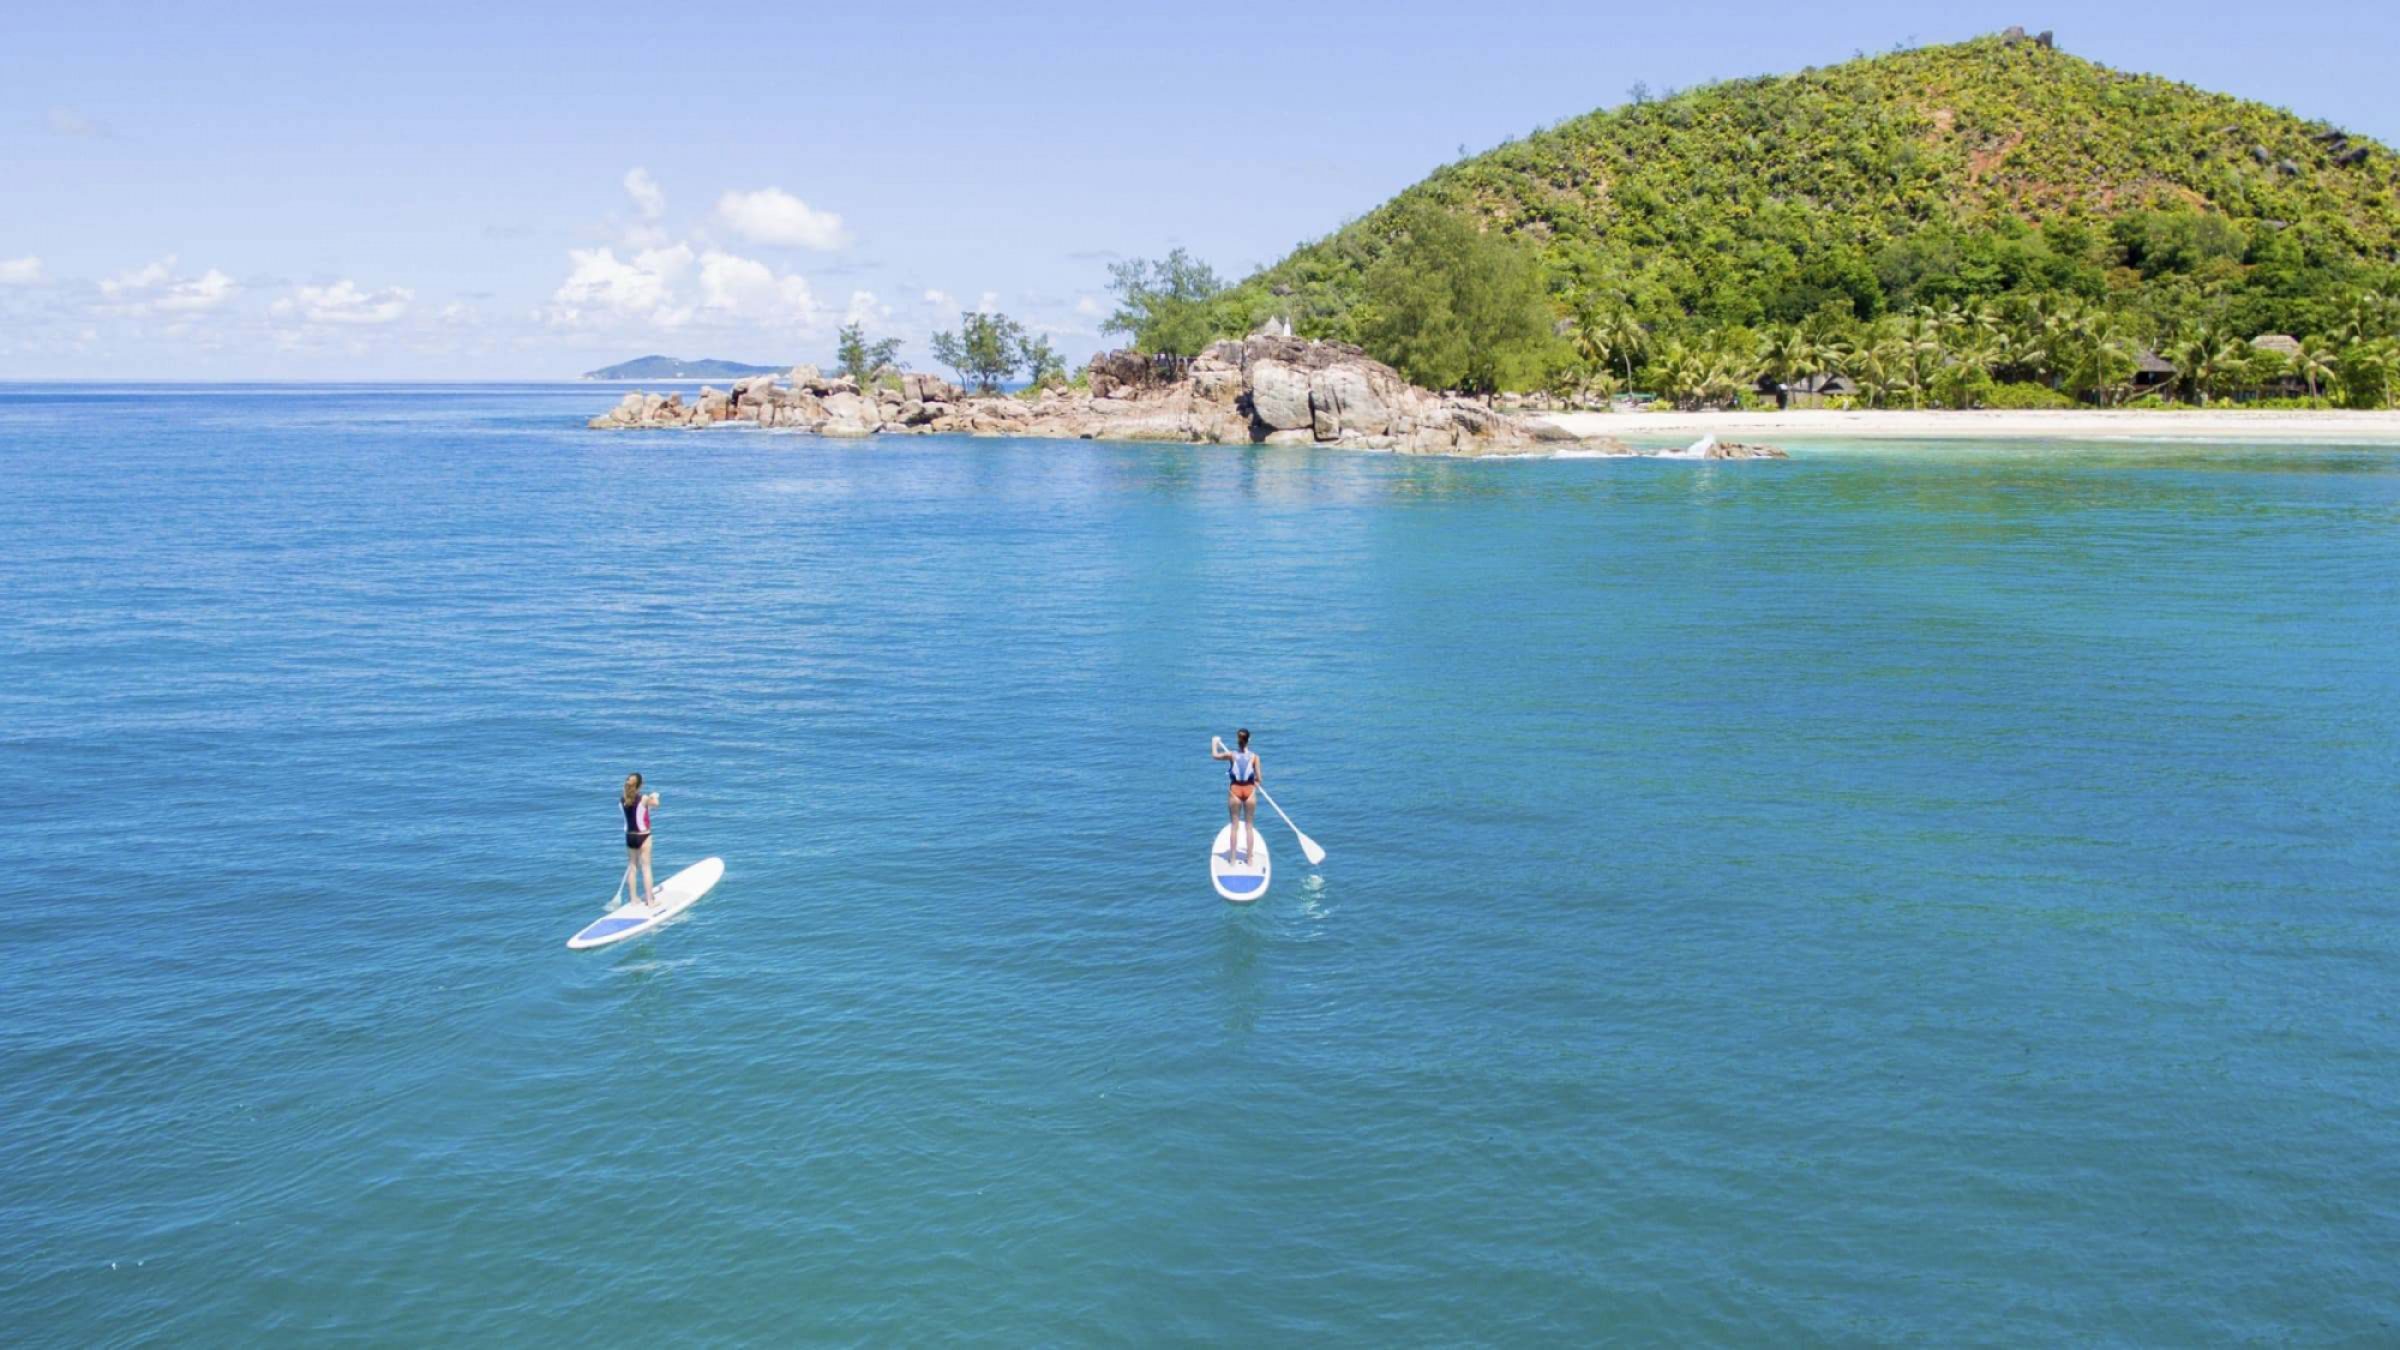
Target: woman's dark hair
<point>1242,737</point>
<point>633,788</point>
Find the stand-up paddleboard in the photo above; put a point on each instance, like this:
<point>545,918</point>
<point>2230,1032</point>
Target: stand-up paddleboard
<point>1239,881</point>
<point>675,895</point>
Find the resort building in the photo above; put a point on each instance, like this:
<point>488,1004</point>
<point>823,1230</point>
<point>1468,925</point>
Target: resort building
<point>1813,391</point>
<point>2289,384</point>
<point>2152,371</point>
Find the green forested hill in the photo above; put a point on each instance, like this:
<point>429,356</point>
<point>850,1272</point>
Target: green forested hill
<point>1988,179</point>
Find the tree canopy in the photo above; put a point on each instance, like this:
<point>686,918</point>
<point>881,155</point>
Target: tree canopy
<point>1174,305</point>
<point>859,358</point>
<point>1990,178</point>
<point>984,350</point>
<point>1454,308</point>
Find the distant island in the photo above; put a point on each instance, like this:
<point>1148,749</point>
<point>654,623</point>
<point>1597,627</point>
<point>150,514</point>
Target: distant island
<point>676,368</point>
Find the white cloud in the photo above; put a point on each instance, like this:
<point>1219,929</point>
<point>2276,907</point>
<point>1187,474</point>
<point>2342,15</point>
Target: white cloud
<point>155,289</point>
<point>1087,307</point>
<point>942,300</point>
<point>344,303</point>
<point>68,122</point>
<point>601,286</point>
<point>649,279</point>
<point>774,216</point>
<point>865,308</point>
<point>747,288</point>
<point>728,281</point>
<point>139,278</point>
<point>671,287</point>
<point>648,197</point>
<point>207,291</point>
<point>988,303</point>
<point>20,271</point>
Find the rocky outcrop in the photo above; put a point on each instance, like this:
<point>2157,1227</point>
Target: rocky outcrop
<point>1345,399</point>
<point>1279,395</point>
<point>1118,374</point>
<point>1269,389</point>
<point>848,414</point>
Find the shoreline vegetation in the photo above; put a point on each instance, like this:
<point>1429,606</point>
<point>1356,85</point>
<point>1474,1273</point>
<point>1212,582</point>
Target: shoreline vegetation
<point>1988,224</point>
<point>1267,389</point>
<point>1987,238</point>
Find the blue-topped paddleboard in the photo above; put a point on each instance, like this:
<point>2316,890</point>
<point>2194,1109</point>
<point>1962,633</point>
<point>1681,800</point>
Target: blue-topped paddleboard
<point>1239,880</point>
<point>675,895</point>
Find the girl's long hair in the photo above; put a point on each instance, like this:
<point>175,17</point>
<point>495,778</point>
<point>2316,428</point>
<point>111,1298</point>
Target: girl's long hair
<point>633,789</point>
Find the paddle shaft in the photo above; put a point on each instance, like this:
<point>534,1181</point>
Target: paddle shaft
<point>1309,848</point>
<point>1287,820</point>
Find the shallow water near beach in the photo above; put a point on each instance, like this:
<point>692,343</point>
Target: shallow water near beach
<point>1909,894</point>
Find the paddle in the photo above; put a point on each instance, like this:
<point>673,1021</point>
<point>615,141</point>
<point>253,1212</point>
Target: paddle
<point>1308,847</point>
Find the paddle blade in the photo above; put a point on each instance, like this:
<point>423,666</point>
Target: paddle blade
<point>1308,846</point>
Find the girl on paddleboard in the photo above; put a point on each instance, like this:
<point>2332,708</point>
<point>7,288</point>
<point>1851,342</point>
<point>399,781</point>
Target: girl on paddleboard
<point>637,806</point>
<point>1241,791</point>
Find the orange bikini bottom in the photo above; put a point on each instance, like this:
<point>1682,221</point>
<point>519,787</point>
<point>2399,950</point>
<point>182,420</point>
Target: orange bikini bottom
<point>1241,791</point>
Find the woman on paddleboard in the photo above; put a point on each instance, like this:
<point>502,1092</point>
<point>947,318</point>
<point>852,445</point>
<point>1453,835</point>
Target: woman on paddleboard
<point>1241,792</point>
<point>637,806</point>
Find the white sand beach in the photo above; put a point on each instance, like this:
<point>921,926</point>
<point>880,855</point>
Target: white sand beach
<point>1931,424</point>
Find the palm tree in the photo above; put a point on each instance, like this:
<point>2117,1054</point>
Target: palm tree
<point>1786,354</point>
<point>2368,369</point>
<point>1963,318</point>
<point>1920,338</point>
<point>2194,356</point>
<point>1884,365</point>
<point>1671,370</point>
<point>2317,361</point>
<point>1966,366</point>
<point>2097,356</point>
<point>1868,370</point>
<point>1607,332</point>
<point>1694,377</point>
<point>2205,358</point>
<point>1725,372</point>
<point>2370,315</point>
<point>1836,353</point>
<point>2023,348</point>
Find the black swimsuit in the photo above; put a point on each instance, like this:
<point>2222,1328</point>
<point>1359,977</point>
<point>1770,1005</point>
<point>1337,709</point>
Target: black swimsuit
<point>637,832</point>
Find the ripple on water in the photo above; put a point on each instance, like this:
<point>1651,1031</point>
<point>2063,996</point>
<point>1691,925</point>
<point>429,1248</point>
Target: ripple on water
<point>1903,893</point>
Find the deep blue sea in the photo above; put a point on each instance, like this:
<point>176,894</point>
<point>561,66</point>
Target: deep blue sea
<point>1906,894</point>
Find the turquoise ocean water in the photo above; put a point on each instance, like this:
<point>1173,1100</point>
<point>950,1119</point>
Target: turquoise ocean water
<point>1900,894</point>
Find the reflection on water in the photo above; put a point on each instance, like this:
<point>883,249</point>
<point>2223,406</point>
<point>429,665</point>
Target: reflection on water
<point>1240,937</point>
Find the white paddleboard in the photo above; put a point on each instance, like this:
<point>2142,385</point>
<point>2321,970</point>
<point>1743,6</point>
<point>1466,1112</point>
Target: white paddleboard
<point>1239,881</point>
<point>675,895</point>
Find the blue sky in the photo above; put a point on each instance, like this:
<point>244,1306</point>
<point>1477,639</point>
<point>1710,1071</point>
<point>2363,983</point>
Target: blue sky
<point>527,191</point>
